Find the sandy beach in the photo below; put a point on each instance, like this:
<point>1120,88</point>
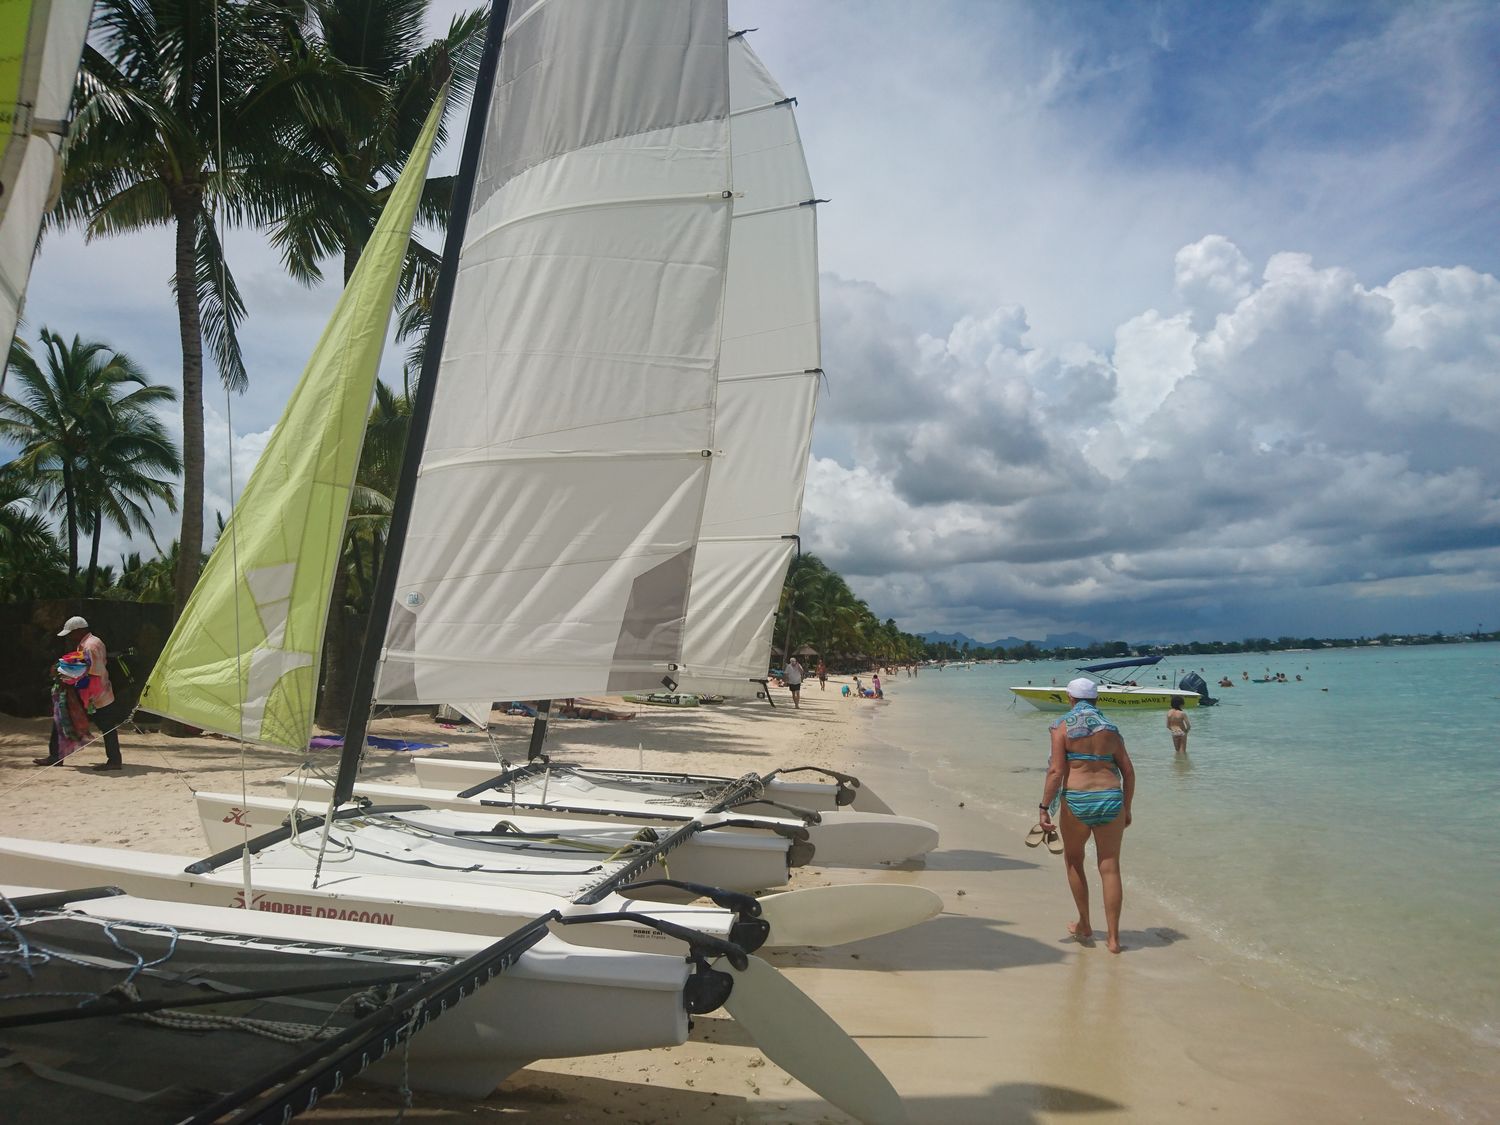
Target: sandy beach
<point>986,1013</point>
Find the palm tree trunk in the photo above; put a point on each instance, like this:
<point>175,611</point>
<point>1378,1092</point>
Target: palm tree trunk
<point>190,329</point>
<point>88,585</point>
<point>70,502</point>
<point>333,699</point>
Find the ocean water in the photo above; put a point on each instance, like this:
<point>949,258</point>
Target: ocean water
<point>1335,842</point>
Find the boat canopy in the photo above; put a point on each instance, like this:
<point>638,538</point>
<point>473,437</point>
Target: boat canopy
<point>1133,662</point>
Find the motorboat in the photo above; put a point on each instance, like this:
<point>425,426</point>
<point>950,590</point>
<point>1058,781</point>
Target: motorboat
<point>1116,693</point>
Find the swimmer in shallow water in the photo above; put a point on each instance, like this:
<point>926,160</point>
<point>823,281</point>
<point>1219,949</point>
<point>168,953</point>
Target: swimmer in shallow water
<point>1178,725</point>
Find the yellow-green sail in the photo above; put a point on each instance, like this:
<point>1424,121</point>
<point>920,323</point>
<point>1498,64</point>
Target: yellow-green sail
<point>243,659</point>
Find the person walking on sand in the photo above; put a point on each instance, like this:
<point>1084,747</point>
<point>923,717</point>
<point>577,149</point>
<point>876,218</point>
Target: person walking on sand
<point>794,681</point>
<point>823,676</point>
<point>1178,725</point>
<point>102,711</point>
<point>1090,777</point>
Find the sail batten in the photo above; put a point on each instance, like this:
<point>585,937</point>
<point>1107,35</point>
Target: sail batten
<point>243,657</point>
<point>566,462</point>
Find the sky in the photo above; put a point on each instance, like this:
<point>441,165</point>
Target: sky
<point>1162,321</point>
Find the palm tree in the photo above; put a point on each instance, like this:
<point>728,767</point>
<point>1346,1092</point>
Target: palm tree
<point>31,562</point>
<point>359,136</point>
<point>119,476</point>
<point>148,581</point>
<point>182,113</point>
<point>89,435</point>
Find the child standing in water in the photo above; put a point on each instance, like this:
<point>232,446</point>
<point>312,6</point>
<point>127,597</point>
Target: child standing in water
<point>1178,725</point>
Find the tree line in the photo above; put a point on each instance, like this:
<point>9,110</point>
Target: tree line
<point>1111,650</point>
<point>293,117</point>
<point>818,612</point>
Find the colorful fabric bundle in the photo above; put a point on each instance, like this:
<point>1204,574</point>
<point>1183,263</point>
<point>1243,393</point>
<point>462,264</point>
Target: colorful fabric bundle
<point>71,718</point>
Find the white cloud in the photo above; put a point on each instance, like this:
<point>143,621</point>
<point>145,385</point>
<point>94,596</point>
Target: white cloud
<point>1288,447</point>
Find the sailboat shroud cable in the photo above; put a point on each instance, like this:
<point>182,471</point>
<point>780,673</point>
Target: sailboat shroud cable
<point>234,539</point>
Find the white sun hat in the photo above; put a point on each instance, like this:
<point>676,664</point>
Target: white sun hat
<point>1083,688</point>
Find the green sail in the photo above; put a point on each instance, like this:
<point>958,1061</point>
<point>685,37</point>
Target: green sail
<point>243,659</point>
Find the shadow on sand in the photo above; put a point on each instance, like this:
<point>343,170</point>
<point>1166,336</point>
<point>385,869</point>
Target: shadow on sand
<point>541,1097</point>
<point>949,941</point>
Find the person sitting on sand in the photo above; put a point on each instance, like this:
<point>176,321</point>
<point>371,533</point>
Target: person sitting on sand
<point>1091,777</point>
<point>1178,725</point>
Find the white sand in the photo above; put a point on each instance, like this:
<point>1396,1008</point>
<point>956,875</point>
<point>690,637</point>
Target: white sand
<point>986,1013</point>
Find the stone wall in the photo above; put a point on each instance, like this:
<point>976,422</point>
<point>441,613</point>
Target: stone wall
<point>134,633</point>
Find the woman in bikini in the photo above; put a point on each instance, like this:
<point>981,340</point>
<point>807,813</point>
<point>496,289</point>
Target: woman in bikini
<point>1091,778</point>
<point>1178,725</point>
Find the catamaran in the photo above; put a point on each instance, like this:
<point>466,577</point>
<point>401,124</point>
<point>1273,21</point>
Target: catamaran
<point>556,798</point>
<point>282,1018</point>
<point>270,986</point>
<point>769,371</point>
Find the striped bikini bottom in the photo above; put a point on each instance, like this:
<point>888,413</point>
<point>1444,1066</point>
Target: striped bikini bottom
<point>1094,806</point>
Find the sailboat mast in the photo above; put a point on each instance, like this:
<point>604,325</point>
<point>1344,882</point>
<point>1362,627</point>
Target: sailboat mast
<point>442,301</point>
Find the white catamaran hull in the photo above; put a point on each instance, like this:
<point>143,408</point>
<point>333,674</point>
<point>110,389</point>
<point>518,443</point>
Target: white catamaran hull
<point>557,1001</point>
<point>839,836</point>
<point>733,859</point>
<point>454,774</point>
<point>847,839</point>
<point>421,901</point>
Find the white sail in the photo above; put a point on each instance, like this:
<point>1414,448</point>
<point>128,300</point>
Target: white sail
<point>39,54</point>
<point>563,476</point>
<point>768,385</point>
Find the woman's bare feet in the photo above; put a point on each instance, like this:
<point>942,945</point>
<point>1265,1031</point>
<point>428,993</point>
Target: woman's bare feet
<point>1081,931</point>
<point>1113,944</point>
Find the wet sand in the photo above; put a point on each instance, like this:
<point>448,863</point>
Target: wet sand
<point>986,1013</point>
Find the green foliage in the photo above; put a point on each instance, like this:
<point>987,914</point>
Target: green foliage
<point>358,127</point>
<point>825,614</point>
<point>32,562</point>
<point>145,581</point>
<point>92,448</point>
<point>374,493</point>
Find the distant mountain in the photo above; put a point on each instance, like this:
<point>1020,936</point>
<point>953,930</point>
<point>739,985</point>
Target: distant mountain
<point>1051,641</point>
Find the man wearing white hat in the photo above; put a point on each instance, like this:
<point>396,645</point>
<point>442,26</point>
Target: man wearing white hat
<point>105,714</point>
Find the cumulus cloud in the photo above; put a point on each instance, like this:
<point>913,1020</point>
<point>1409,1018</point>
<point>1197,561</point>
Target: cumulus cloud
<point>1312,438</point>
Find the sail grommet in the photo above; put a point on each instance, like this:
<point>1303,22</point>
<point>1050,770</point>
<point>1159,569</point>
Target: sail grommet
<point>706,454</point>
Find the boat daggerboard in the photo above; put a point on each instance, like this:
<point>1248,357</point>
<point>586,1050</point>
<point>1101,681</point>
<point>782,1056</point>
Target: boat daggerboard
<point>243,658</point>
<point>768,385</point>
<point>41,43</point>
<point>563,475</point>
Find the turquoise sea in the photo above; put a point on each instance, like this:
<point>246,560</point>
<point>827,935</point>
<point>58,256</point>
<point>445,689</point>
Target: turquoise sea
<point>1335,842</point>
